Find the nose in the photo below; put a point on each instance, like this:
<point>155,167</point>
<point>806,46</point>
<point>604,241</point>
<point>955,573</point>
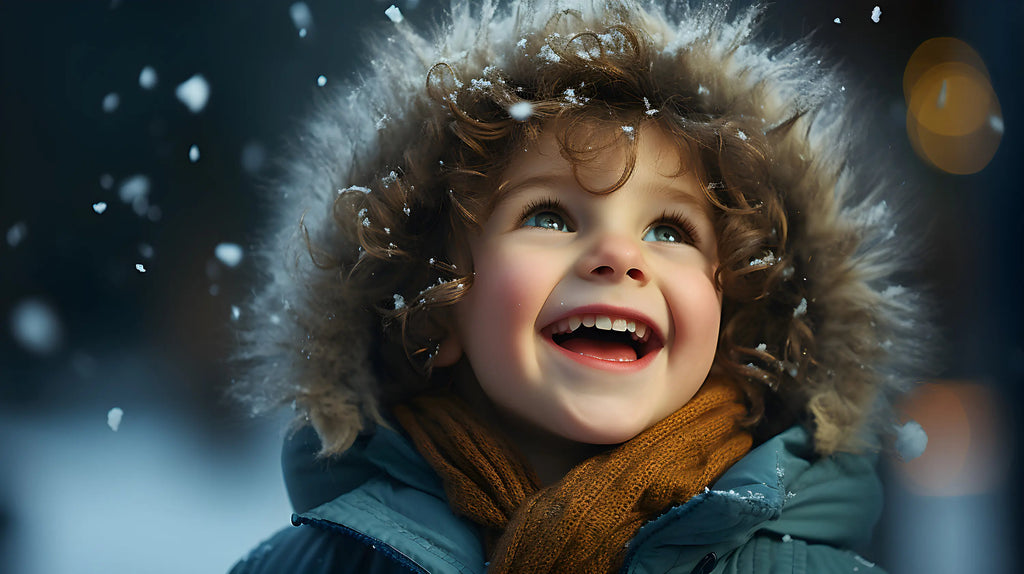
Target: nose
<point>613,258</point>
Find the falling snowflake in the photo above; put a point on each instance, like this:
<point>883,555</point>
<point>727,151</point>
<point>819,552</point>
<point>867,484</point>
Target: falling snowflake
<point>36,326</point>
<point>801,309</point>
<point>194,93</point>
<point>110,102</point>
<point>301,16</point>
<point>140,268</point>
<point>147,78</point>
<point>521,111</point>
<point>16,233</point>
<point>193,153</point>
<point>394,14</point>
<point>114,417</point>
<point>135,191</point>
<point>996,123</point>
<point>321,80</point>
<point>230,254</point>
<point>235,312</point>
<point>876,14</point>
<point>911,440</point>
<point>837,21</point>
<point>99,207</point>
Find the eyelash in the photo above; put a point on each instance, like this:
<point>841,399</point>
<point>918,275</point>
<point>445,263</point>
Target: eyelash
<point>538,205</point>
<point>676,219</point>
<point>680,221</point>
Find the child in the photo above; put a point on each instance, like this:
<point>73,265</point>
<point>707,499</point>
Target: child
<point>589,287</point>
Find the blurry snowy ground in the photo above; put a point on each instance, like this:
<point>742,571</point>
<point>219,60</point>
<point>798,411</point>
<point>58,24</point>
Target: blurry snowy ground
<point>152,497</point>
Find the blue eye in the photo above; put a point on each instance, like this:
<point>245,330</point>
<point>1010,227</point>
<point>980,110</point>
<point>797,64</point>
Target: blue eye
<point>666,233</point>
<point>546,220</point>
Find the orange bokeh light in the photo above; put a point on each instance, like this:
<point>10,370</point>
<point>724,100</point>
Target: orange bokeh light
<point>935,51</point>
<point>951,99</point>
<point>967,451</point>
<point>954,120</point>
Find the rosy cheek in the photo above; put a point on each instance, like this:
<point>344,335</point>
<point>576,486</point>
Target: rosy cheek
<point>511,275</point>
<point>502,284</point>
<point>696,308</point>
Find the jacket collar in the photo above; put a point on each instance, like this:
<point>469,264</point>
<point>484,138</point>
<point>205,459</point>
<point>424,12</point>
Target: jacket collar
<point>387,495</point>
<point>779,488</point>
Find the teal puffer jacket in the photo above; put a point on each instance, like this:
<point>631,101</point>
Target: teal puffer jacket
<point>781,509</point>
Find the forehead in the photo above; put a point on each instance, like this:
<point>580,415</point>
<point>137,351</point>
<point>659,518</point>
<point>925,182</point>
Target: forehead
<point>598,157</point>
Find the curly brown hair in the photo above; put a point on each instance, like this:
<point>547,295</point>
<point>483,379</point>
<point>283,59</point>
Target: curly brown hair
<point>412,224</point>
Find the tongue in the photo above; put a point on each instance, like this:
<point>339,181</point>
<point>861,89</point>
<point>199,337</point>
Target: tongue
<point>607,350</point>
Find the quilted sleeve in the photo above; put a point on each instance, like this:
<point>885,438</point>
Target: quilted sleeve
<point>307,550</point>
<point>770,555</point>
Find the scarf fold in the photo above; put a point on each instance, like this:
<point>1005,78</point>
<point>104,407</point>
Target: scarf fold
<point>584,522</point>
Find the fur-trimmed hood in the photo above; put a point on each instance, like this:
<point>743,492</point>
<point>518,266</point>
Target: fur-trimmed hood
<point>305,345</point>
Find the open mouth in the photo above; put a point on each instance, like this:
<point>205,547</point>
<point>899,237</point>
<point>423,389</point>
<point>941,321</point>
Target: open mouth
<point>604,337</point>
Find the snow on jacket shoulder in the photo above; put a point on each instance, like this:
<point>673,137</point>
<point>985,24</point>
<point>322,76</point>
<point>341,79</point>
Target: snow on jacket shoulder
<point>780,509</point>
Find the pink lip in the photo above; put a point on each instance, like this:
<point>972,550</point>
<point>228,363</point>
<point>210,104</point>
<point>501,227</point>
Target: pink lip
<point>604,364</point>
<point>612,311</point>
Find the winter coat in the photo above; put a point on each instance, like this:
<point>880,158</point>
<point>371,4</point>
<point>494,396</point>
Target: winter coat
<point>380,508</point>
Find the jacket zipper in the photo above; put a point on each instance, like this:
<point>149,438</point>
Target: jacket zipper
<point>373,543</point>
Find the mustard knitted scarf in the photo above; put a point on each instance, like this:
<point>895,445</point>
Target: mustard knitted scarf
<point>583,522</point>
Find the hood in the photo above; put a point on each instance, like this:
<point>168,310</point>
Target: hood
<point>305,345</point>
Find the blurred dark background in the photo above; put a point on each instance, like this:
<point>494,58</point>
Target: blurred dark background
<point>84,330</point>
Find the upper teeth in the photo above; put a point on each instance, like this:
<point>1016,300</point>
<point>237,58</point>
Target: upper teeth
<point>639,330</point>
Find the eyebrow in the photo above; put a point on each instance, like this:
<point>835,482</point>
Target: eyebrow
<point>505,190</point>
<point>700,202</point>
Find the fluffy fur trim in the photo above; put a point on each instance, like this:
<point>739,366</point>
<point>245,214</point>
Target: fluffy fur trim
<point>305,345</point>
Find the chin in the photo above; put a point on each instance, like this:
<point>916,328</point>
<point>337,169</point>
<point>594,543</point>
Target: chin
<point>607,428</point>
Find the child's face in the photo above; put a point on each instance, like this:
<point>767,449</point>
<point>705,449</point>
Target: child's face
<point>553,254</point>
